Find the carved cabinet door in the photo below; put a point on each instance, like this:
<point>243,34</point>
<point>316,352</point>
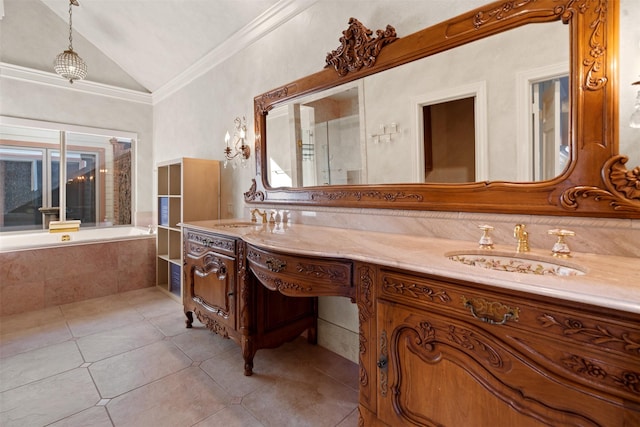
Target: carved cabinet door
<point>439,371</point>
<point>212,287</point>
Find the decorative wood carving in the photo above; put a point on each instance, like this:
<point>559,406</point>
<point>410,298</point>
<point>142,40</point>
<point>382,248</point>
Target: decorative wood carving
<point>357,48</point>
<point>469,341</point>
<point>244,288</point>
<point>595,183</point>
<point>414,290</point>
<point>594,70</point>
<point>384,355</point>
<point>323,272</point>
<point>365,303</point>
<point>627,380</point>
<point>622,180</point>
<point>208,242</point>
<point>286,287</point>
<point>502,11</point>
<point>253,195</point>
<point>389,196</point>
<point>275,265</point>
<point>211,324</point>
<point>595,334</point>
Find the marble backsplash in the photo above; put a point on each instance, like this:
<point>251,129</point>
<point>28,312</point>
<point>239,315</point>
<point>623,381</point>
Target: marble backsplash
<point>607,236</point>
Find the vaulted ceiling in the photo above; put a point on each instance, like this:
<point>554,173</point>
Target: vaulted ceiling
<point>155,42</point>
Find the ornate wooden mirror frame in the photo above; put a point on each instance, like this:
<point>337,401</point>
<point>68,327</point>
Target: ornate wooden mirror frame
<point>596,183</point>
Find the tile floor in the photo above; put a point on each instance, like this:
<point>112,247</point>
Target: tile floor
<point>128,360</point>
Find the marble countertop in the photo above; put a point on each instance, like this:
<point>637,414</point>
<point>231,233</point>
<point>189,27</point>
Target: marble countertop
<point>609,281</point>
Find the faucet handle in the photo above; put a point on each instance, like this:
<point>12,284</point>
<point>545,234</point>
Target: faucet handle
<point>560,248</point>
<point>522,236</point>
<point>485,242</point>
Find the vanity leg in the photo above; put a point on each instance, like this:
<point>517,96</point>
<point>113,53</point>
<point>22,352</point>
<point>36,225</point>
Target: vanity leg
<point>312,332</point>
<point>189,320</point>
<point>248,352</point>
<point>312,335</point>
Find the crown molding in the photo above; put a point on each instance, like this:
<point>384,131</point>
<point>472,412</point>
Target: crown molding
<point>45,78</point>
<point>271,19</point>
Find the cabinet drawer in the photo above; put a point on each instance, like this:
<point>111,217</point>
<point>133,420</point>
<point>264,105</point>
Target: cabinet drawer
<point>198,242</point>
<point>301,276</point>
<point>592,346</point>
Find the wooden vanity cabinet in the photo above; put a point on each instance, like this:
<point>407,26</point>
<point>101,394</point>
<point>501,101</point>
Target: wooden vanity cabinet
<point>210,271</point>
<point>434,351</point>
<point>233,303</point>
<point>451,353</point>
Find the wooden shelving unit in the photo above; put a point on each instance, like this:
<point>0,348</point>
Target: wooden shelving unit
<point>188,190</point>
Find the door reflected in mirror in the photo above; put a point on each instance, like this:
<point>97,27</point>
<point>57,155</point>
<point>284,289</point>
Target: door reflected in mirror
<point>550,117</point>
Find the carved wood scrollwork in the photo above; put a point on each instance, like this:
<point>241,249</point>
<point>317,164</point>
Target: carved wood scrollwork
<point>253,195</point>
<point>414,290</point>
<point>357,48</point>
<point>499,13</point>
<point>622,180</point>
<point>275,265</point>
<point>388,196</point>
<point>596,334</point>
<point>365,313</point>
<point>320,271</point>
<point>208,242</point>
<point>384,355</point>
<point>627,380</point>
<point>211,324</point>
<point>283,286</point>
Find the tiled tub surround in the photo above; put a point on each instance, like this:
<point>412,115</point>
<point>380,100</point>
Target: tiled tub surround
<point>37,278</point>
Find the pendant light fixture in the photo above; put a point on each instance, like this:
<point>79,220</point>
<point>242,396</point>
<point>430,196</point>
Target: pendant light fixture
<point>68,64</point>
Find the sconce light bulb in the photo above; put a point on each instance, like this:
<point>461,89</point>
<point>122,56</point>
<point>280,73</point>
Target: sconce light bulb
<point>242,133</point>
<point>227,138</point>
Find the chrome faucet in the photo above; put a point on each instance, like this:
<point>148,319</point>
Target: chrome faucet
<point>523,238</point>
<point>262,214</point>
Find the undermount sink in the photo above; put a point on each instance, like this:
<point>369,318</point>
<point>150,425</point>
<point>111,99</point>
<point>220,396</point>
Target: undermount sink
<point>516,263</point>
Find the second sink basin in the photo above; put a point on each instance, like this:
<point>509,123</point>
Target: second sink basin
<point>516,263</point>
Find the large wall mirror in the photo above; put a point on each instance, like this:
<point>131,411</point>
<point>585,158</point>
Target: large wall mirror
<point>511,107</point>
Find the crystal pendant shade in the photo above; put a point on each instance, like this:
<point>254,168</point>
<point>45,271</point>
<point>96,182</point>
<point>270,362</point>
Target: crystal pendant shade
<point>69,65</point>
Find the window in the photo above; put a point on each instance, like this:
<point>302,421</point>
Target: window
<point>96,168</point>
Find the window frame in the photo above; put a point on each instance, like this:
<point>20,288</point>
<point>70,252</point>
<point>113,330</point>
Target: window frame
<point>65,127</point>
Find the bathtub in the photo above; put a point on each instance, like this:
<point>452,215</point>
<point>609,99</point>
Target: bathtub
<point>42,269</point>
<point>17,241</point>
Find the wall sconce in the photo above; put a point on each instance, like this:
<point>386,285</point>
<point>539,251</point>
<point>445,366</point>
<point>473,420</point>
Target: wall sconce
<point>385,133</point>
<point>634,120</point>
<point>237,149</point>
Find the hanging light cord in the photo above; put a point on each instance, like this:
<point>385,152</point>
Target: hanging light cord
<point>70,25</point>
